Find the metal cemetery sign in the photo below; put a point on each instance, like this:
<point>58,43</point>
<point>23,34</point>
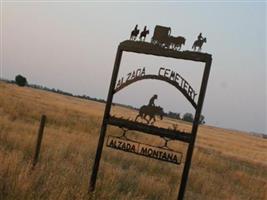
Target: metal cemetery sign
<point>162,44</point>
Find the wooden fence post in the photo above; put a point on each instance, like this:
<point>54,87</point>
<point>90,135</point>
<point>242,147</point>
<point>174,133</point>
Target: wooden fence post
<point>39,141</point>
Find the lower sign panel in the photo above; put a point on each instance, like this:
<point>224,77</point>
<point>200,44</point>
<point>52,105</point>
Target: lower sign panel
<point>146,150</point>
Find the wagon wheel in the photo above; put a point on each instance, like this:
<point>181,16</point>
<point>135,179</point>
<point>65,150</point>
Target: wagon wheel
<point>167,46</point>
<point>164,45</point>
<point>157,43</point>
<point>153,41</point>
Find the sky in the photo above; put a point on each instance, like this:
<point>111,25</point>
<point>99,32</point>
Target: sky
<point>71,45</point>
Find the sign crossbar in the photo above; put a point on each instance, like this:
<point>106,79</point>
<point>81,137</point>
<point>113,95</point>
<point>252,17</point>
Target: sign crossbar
<point>153,130</point>
<point>148,48</point>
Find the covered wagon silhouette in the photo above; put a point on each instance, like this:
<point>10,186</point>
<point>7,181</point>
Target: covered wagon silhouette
<point>162,37</point>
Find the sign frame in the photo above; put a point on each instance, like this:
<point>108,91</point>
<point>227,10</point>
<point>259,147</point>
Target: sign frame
<point>151,49</point>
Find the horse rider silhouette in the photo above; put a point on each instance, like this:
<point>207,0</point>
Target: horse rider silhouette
<point>199,42</point>
<point>134,33</point>
<point>143,34</point>
<point>150,111</point>
<point>135,28</point>
<point>152,99</point>
<point>199,37</point>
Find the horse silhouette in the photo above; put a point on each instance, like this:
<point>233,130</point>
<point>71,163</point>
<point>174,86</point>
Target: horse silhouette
<point>151,112</point>
<point>143,34</point>
<point>198,43</point>
<point>134,33</point>
<point>177,42</point>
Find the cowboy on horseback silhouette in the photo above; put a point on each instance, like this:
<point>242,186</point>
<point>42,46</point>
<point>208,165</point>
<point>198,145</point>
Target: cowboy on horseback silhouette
<point>152,99</point>
<point>199,37</point>
<point>134,33</point>
<point>199,42</point>
<point>143,34</point>
<point>148,112</point>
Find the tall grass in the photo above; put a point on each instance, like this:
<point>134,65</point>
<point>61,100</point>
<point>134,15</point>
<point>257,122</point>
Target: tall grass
<point>68,150</point>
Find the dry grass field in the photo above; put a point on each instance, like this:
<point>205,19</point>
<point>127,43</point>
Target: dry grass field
<point>226,164</point>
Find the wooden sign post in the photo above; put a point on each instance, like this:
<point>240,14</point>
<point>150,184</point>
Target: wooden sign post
<point>39,141</point>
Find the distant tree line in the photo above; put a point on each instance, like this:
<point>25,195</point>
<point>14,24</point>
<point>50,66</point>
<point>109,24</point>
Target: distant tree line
<point>22,81</point>
<point>126,106</point>
<point>66,93</point>
<point>188,117</point>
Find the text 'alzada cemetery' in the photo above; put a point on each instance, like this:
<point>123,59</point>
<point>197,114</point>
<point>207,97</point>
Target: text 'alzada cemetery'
<point>163,73</point>
<point>162,44</point>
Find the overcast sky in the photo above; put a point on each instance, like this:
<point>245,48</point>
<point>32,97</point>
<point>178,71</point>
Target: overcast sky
<point>71,45</point>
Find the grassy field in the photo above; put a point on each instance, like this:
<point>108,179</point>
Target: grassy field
<point>226,164</point>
